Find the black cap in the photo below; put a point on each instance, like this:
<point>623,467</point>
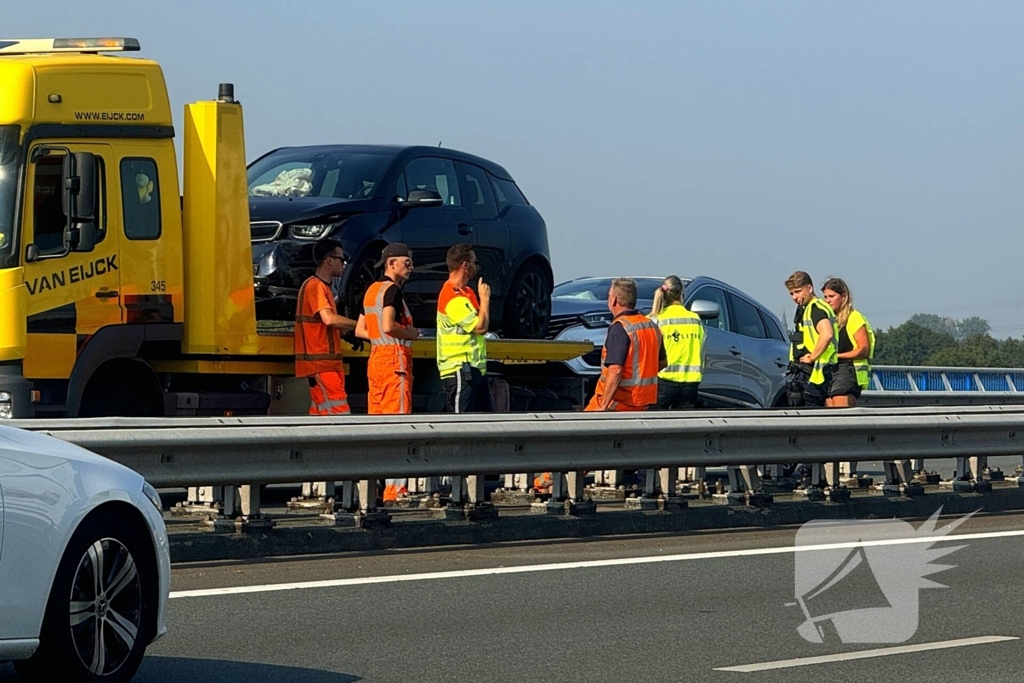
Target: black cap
<point>393,250</point>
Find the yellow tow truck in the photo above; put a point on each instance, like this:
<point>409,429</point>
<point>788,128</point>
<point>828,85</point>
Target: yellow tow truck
<point>121,294</point>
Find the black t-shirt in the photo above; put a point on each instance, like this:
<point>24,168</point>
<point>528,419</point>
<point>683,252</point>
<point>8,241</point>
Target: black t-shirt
<point>845,342</point>
<point>616,343</point>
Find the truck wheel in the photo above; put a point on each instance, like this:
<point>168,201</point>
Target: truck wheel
<point>100,614</point>
<point>527,304</point>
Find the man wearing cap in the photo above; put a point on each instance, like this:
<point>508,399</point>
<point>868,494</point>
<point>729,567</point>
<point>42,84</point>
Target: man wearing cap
<point>387,324</point>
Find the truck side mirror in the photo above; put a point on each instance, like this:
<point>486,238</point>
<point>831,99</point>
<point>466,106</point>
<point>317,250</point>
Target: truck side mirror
<point>80,200</point>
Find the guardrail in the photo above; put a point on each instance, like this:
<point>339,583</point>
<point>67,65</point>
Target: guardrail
<point>248,452</point>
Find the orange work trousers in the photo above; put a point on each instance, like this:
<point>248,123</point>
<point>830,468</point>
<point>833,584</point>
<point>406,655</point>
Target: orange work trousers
<point>327,394</point>
<point>389,374</point>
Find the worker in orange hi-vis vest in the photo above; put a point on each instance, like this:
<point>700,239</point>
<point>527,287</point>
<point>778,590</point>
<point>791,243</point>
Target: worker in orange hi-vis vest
<point>318,330</point>
<point>387,324</point>
<point>631,359</point>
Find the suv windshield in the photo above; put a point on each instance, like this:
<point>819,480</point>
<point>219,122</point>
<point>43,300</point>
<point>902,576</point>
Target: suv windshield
<point>596,289</point>
<point>301,172</point>
<point>10,160</point>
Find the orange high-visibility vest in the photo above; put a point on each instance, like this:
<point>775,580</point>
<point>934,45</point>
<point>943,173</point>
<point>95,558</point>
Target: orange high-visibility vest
<point>317,346</point>
<point>639,383</point>
<point>373,307</point>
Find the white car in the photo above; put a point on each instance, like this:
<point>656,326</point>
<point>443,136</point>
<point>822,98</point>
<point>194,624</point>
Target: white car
<point>84,563</point>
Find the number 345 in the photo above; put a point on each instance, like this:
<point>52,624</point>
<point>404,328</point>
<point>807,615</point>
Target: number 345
<point>158,285</point>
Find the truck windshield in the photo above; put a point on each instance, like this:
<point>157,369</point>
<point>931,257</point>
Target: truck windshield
<point>299,172</point>
<point>10,160</point>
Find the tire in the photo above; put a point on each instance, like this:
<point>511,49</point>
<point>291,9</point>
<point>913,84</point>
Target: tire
<point>364,275</point>
<point>528,304</point>
<point>67,651</point>
<point>111,401</point>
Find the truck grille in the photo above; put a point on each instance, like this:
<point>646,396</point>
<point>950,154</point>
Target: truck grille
<point>264,231</point>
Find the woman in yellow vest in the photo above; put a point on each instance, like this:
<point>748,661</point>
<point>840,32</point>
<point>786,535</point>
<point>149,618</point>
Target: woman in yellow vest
<point>856,346</point>
<point>682,336</point>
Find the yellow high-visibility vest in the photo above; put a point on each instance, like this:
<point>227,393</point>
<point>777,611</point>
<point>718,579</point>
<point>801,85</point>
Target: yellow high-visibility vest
<point>682,335</point>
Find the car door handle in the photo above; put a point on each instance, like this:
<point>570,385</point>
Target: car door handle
<point>464,228</point>
<point>735,350</point>
<point>781,363</point>
<point>106,294</point>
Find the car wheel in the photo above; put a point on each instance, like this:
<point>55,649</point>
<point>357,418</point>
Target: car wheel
<point>528,304</point>
<point>364,275</point>
<point>101,610</point>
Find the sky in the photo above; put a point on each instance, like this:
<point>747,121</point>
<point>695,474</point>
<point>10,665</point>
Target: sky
<point>881,142</point>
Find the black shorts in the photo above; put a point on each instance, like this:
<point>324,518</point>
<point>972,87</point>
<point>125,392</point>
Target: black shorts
<point>468,391</point>
<point>844,381</point>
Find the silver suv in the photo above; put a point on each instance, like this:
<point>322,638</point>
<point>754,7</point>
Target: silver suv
<point>745,349</point>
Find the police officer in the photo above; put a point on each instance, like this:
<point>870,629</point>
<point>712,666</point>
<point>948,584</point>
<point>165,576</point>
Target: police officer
<point>812,354</point>
<point>682,336</point>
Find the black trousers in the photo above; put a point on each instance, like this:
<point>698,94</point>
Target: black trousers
<point>677,395</point>
<point>467,391</point>
<point>803,394</point>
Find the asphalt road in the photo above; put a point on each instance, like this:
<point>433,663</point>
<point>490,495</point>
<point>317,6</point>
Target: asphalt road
<point>653,616</point>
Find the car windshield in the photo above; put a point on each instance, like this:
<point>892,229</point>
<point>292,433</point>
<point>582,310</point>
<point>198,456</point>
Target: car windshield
<point>596,289</point>
<point>317,173</point>
<point>10,160</point>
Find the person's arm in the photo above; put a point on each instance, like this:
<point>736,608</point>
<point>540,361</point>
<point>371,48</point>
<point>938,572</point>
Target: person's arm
<point>391,327</point>
<point>332,319</point>
<point>484,321</point>
<point>612,377</point>
<point>662,354</point>
<point>361,330</point>
<point>825,335</point>
<point>861,347</point>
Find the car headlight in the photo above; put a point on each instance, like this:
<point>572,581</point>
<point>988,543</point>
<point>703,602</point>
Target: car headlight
<point>310,232</point>
<point>6,405</point>
<point>593,320</point>
<point>153,496</point>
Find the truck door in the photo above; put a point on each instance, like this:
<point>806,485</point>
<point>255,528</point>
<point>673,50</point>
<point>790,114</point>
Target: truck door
<point>71,294</point>
<point>150,286</point>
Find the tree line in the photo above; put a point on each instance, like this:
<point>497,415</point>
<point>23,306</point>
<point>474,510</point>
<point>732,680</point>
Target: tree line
<point>927,339</point>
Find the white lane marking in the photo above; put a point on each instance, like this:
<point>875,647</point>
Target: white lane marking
<point>866,654</point>
<point>617,562</point>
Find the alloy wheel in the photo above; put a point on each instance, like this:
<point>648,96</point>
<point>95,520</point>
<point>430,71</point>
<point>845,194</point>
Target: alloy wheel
<point>106,607</point>
<point>533,304</point>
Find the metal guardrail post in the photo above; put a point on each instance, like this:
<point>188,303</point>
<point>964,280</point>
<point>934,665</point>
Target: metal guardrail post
<point>251,519</point>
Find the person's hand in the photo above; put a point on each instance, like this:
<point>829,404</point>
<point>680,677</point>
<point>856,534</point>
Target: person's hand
<point>356,342</point>
<point>806,359</point>
<point>484,290</point>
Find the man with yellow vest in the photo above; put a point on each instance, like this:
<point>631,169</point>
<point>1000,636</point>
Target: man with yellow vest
<point>318,329</point>
<point>631,357</point>
<point>682,335</point>
<point>812,354</point>
<point>462,322</point>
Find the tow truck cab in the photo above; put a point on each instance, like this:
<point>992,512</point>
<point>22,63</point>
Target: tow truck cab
<point>94,231</point>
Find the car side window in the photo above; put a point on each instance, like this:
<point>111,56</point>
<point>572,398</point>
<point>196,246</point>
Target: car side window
<point>476,191</point>
<point>140,198</point>
<point>435,174</point>
<point>718,296</point>
<point>774,330</point>
<point>748,320</point>
<point>507,193</point>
